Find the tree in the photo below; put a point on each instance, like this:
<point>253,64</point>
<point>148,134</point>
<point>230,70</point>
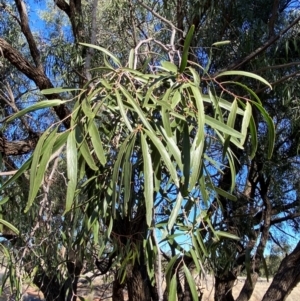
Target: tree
<point>157,34</point>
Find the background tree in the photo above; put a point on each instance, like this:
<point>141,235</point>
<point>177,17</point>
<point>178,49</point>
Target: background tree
<point>263,40</point>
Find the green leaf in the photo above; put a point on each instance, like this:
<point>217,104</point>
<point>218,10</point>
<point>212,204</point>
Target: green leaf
<point>169,67</point>
<point>39,164</point>
<point>131,58</point>
<point>245,73</point>
<point>221,43</point>
<point>195,259</point>
<point>174,213</point>
<point>83,148</point>
<point>186,47</point>
<point>173,289</point>
<point>95,138</point>
<point>191,282</point>
<point>115,175</point>
<point>246,121</point>
<point>10,226</point>
<point>40,105</point>
<point>218,125</point>
<point>72,169</point>
<point>200,114</point>
<point>227,235</point>
<point>173,148</point>
<point>253,136</point>
<point>201,243</point>
<point>165,155</point>
<point>271,128</point>
<point>136,108</point>
<point>58,90</point>
<point>114,58</point>
<point>87,109</point>
<point>148,180</point>
<point>122,111</point>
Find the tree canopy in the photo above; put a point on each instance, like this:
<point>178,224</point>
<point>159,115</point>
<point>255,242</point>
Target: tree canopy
<point>154,140</point>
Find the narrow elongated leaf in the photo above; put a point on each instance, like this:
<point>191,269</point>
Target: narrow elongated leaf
<point>95,138</point>
<point>165,156</point>
<point>122,111</point>
<point>194,256</point>
<point>148,180</point>
<point>227,235</point>
<point>186,156</point>
<point>246,121</point>
<point>271,128</point>
<point>126,175</point>
<point>216,124</point>
<point>9,226</point>
<point>196,163</point>
<point>253,136</point>
<point>169,67</point>
<point>186,47</point>
<point>174,213</point>
<point>173,148</point>
<point>87,109</point>
<point>232,114</point>
<point>40,105</point>
<point>115,177</point>
<point>221,43</point>
<point>245,73</point>
<point>136,108</point>
<point>200,115</point>
<point>58,90</point>
<point>131,59</point>
<point>191,282</point>
<point>39,164</point>
<point>114,58</point>
<point>72,169</point>
<point>201,243</point>
<point>173,289</point>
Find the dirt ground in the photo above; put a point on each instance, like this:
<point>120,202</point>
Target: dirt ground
<point>259,291</point>
<point>98,291</point>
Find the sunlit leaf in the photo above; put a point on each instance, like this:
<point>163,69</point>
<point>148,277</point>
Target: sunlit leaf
<point>148,181</point>
<point>186,47</point>
<point>40,105</point>
<point>72,169</point>
<point>9,226</point>
<point>246,74</point>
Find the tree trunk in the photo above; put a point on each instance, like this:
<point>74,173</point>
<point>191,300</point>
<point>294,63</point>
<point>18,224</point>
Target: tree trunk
<point>287,277</point>
<point>223,287</point>
<point>248,288</point>
<point>137,285</point>
<point>117,290</point>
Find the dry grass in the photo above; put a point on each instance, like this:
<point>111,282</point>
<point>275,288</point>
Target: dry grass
<point>101,290</point>
<point>259,291</point>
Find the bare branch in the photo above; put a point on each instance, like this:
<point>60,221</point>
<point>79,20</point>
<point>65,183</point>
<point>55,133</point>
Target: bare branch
<point>259,50</point>
<point>28,34</point>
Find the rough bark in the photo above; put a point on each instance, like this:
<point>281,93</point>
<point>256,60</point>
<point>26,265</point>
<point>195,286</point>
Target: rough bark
<point>9,148</point>
<point>287,277</point>
<point>137,285</point>
<point>117,290</point>
<point>248,288</point>
<point>223,287</point>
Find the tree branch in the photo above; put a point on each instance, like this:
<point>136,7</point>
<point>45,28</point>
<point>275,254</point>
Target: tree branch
<point>35,74</point>
<point>28,34</point>
<point>259,50</point>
